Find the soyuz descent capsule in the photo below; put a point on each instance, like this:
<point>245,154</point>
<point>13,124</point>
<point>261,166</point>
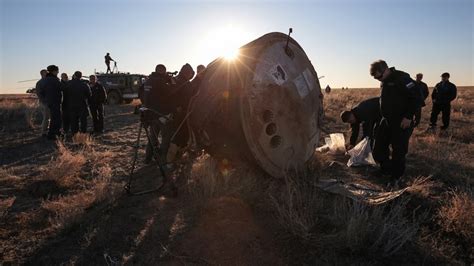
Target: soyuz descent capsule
<point>264,106</point>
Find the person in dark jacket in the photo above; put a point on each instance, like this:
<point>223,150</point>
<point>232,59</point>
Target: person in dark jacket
<point>328,89</point>
<point>366,113</point>
<point>96,104</point>
<point>424,94</point>
<point>399,100</point>
<point>64,105</point>
<point>156,98</point>
<point>181,95</point>
<point>443,94</point>
<point>79,95</point>
<point>42,104</point>
<point>196,82</point>
<point>157,91</point>
<point>51,93</point>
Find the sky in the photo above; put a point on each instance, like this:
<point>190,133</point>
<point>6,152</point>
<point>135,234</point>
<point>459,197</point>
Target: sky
<point>340,37</point>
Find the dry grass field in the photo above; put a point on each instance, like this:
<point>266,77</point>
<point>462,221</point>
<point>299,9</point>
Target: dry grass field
<point>62,202</point>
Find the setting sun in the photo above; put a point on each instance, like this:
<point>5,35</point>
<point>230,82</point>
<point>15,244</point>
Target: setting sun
<point>231,55</point>
<point>224,42</point>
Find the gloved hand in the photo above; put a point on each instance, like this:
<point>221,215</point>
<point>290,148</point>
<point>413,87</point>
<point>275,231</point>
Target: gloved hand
<point>406,123</point>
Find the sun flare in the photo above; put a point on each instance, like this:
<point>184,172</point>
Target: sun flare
<point>224,42</point>
<point>231,54</point>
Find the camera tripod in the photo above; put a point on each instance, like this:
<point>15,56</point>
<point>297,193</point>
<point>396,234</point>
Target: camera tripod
<point>156,156</point>
<point>115,69</point>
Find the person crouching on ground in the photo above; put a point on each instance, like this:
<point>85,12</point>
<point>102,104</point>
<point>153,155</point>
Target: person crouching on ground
<point>366,113</point>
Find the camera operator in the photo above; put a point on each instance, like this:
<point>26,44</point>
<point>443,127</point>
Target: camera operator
<point>155,98</point>
<point>182,93</point>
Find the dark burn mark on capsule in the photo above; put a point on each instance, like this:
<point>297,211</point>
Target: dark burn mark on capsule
<point>275,141</point>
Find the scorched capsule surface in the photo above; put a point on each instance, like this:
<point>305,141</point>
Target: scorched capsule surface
<point>265,105</point>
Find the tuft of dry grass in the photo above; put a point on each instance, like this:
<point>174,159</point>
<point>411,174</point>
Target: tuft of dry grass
<point>18,113</point>
<point>457,214</point>
<point>211,178</point>
<point>374,231</point>
<point>85,172</point>
<point>83,139</point>
<point>348,228</point>
<point>423,186</point>
<point>66,167</point>
<point>299,203</point>
<point>67,209</point>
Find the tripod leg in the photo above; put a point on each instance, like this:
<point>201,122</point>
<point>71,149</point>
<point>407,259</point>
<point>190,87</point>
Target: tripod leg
<point>135,157</point>
<point>157,156</point>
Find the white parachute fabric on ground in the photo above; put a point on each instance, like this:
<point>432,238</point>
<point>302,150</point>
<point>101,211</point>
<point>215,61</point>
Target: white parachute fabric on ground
<point>361,154</point>
<point>360,192</point>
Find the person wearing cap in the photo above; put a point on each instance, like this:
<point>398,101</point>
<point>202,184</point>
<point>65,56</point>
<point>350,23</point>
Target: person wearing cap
<point>399,100</point>
<point>79,94</point>
<point>96,104</point>
<point>424,93</point>
<point>51,91</point>
<point>366,113</point>
<point>443,94</point>
<point>64,105</point>
<point>108,58</point>
<point>42,104</point>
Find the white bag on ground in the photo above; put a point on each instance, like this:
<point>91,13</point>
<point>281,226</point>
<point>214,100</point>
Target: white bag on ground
<point>361,154</point>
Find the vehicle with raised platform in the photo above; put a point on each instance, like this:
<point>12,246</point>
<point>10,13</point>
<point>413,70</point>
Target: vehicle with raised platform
<point>121,87</point>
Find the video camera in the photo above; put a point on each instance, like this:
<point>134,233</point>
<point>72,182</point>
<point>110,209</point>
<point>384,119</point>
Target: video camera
<point>172,73</point>
<point>171,77</point>
<point>147,115</point>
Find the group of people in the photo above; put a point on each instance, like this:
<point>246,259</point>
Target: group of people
<point>165,100</point>
<point>65,104</point>
<point>389,120</point>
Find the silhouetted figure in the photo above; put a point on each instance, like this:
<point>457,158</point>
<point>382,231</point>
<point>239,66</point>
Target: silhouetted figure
<point>424,94</point>
<point>196,82</point>
<point>79,95</point>
<point>64,106</point>
<point>328,89</point>
<point>107,62</point>
<point>443,94</point>
<point>399,100</point>
<point>156,97</point>
<point>96,104</point>
<point>366,113</point>
<point>50,90</point>
<point>42,104</point>
<point>182,93</point>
